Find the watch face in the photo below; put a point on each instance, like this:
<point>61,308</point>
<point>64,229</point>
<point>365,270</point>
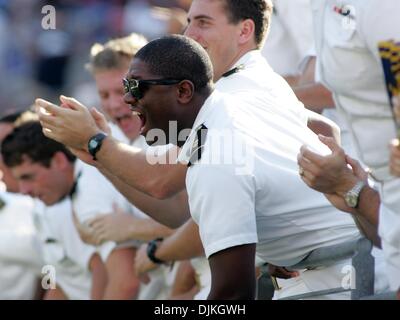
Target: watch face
<point>351,200</point>
<point>93,144</point>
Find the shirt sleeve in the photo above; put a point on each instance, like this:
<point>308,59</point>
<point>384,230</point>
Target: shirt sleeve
<point>298,22</point>
<point>222,203</point>
<point>95,195</point>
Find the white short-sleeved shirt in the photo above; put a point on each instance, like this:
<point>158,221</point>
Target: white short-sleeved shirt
<point>95,195</point>
<point>290,36</point>
<point>350,66</point>
<point>256,76</point>
<point>64,250</point>
<point>20,253</point>
<point>257,196</point>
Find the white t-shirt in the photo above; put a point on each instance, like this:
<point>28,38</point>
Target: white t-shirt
<point>20,252</point>
<point>248,190</point>
<point>95,195</point>
<point>64,250</point>
<point>349,65</point>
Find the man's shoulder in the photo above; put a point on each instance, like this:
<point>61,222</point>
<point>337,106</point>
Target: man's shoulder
<point>87,174</point>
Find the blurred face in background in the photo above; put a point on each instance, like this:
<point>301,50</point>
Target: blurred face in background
<point>49,184</point>
<point>5,172</point>
<point>111,92</point>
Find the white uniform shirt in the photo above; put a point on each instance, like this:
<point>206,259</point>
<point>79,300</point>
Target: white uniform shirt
<point>95,195</point>
<point>289,38</point>
<point>64,250</point>
<point>20,252</point>
<point>258,197</point>
<point>257,77</point>
<point>349,64</point>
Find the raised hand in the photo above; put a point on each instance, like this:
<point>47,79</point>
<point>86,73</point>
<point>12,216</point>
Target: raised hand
<point>72,125</point>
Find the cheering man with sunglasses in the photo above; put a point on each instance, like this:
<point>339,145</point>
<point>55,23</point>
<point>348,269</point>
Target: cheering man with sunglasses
<point>237,199</point>
<point>232,41</point>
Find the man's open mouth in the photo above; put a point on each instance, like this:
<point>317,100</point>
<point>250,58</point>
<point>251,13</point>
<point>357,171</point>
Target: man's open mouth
<point>142,119</point>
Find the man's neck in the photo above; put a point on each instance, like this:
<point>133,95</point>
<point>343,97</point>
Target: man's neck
<point>198,102</point>
<point>243,51</point>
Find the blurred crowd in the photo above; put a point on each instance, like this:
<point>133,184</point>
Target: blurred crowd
<point>45,62</point>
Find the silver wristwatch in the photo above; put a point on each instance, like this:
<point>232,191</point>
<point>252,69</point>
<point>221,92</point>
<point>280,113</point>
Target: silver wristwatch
<point>353,195</point>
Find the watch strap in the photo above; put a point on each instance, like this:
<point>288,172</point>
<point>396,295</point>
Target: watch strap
<point>95,143</point>
<point>356,190</point>
<point>151,250</point>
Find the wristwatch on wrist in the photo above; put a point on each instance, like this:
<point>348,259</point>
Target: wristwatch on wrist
<point>151,250</point>
<point>95,143</point>
<point>352,196</point>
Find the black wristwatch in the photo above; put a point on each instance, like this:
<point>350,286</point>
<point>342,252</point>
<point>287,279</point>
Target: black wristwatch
<point>95,142</point>
<point>151,250</point>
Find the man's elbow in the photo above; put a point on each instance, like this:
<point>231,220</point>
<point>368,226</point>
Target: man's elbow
<point>161,190</point>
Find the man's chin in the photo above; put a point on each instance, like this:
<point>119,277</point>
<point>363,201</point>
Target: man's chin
<point>131,135</point>
<point>47,202</point>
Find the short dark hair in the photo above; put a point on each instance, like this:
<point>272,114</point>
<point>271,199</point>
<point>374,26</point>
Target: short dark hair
<point>28,140</point>
<point>10,118</point>
<point>178,57</point>
<point>259,11</point>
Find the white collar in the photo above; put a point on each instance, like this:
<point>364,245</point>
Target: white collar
<point>186,150</point>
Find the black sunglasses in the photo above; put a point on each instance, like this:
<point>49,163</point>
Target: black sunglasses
<point>136,88</point>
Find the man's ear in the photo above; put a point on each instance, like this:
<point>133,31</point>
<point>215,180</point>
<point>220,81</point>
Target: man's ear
<point>247,31</point>
<point>185,91</point>
<point>60,161</point>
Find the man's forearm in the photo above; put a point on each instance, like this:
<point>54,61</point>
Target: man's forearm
<point>132,166</point>
<point>315,97</point>
<point>99,277</point>
<point>148,229</point>
<point>172,212</point>
<point>184,244</point>
<point>369,205</point>
<point>367,216</point>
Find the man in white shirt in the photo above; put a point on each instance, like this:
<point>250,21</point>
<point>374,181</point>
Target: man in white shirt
<point>20,252</point>
<point>226,40</point>
<point>108,64</point>
<point>239,203</point>
<point>349,64</point>
<point>78,273</point>
<point>48,171</point>
<point>289,39</point>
